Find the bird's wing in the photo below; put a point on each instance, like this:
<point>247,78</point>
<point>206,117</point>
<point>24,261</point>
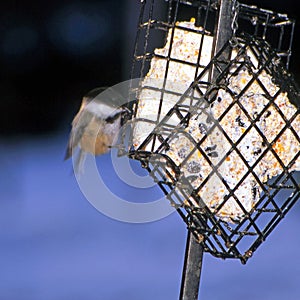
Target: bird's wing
<point>80,122</point>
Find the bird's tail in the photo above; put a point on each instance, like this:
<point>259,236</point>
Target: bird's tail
<point>68,153</point>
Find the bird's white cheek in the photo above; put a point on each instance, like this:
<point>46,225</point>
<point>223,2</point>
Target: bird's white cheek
<point>113,130</point>
<point>102,110</point>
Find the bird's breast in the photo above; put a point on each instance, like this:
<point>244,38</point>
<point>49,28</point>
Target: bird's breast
<point>97,137</point>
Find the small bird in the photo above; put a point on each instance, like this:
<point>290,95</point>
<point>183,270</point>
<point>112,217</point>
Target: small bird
<point>96,126</point>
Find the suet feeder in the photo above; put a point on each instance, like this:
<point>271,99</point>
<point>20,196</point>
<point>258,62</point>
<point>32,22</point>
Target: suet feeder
<point>216,122</point>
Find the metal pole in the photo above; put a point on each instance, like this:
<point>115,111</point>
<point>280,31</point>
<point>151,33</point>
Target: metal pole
<point>194,251</point>
<point>223,31</point>
<point>191,269</point>
<point>224,26</point>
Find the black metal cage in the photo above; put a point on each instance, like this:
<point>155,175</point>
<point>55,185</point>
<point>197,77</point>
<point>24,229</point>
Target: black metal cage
<point>218,130</point>
<point>157,17</point>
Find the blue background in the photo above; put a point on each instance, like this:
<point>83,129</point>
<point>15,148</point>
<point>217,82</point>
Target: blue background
<point>55,245</point>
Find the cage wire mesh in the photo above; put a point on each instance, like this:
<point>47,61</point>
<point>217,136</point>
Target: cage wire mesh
<point>219,133</point>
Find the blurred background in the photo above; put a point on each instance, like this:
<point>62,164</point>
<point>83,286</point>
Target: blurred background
<point>53,243</point>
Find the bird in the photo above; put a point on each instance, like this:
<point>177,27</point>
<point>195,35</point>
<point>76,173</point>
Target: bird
<point>96,126</point>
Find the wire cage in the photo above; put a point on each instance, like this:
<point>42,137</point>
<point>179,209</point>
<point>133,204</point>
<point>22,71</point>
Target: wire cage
<point>218,131</point>
<point>158,17</point>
